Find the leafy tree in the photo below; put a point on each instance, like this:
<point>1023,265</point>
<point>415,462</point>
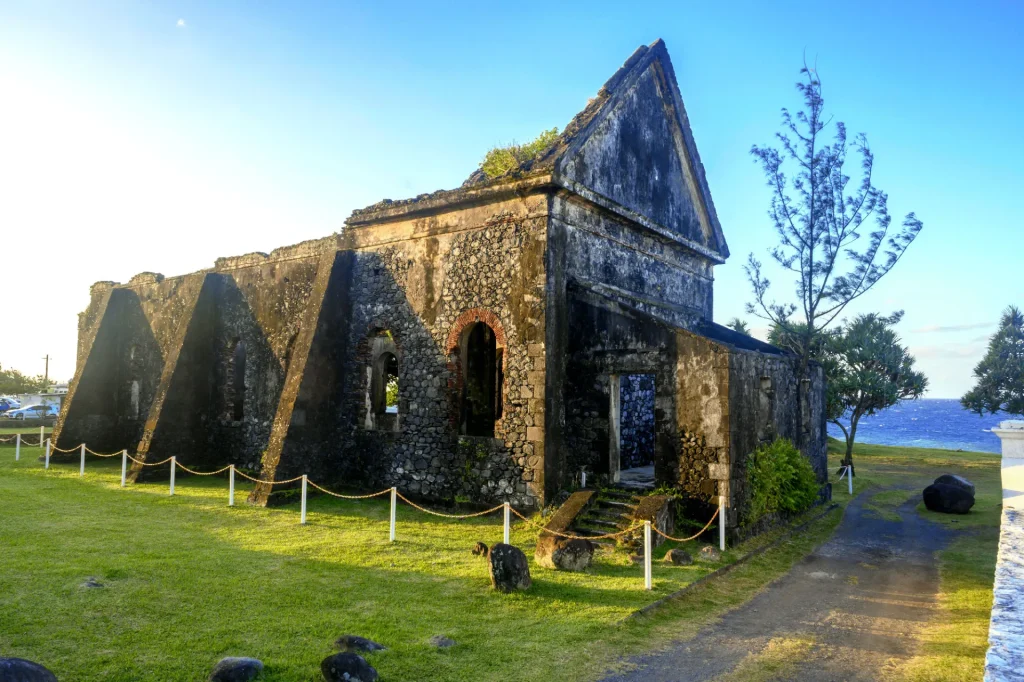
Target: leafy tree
<point>868,370</point>
<point>13,381</point>
<point>501,160</point>
<point>738,325</point>
<point>1000,373</point>
<point>820,220</point>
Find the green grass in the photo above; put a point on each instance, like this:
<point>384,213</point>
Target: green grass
<point>953,643</point>
<point>189,580</point>
<point>28,429</point>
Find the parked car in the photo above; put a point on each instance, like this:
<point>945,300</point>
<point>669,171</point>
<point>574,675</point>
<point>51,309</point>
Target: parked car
<point>7,404</point>
<point>33,412</point>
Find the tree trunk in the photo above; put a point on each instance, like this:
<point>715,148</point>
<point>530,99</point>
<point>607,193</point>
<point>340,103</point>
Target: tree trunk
<point>850,437</point>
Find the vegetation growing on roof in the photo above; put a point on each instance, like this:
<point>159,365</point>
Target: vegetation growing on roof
<point>501,160</point>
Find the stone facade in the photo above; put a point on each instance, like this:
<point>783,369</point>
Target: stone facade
<point>554,318</point>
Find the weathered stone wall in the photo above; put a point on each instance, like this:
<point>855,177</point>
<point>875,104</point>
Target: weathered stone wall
<point>424,289</point>
<point>606,339</point>
<point>765,395</point>
<point>703,412</point>
<point>637,421</point>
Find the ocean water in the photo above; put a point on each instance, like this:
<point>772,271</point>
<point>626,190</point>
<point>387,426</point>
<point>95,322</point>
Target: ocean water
<point>929,424</point>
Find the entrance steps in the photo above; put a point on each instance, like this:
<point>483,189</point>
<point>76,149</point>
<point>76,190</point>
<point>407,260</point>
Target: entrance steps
<point>613,511</point>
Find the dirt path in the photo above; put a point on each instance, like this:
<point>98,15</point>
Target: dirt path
<point>848,611</point>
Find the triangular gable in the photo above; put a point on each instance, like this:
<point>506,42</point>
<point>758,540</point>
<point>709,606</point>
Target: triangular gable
<point>633,148</point>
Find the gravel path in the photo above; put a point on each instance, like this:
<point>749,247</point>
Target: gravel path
<point>860,600</point>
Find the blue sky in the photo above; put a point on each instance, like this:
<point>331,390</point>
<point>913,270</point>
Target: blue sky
<point>158,136</point>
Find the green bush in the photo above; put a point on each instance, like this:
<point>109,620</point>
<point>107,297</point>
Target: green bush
<point>781,480</point>
<point>501,160</point>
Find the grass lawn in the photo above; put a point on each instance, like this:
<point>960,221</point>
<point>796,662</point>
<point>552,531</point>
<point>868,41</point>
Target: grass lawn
<point>955,640</point>
<point>27,430</point>
<point>189,580</point>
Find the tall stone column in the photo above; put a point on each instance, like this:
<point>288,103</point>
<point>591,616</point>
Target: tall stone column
<point>1005,659</point>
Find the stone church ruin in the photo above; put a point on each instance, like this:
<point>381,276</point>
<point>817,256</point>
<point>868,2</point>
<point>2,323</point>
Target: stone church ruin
<point>487,342</point>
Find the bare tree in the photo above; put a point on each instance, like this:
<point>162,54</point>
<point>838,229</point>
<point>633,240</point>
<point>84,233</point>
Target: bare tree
<point>821,221</point>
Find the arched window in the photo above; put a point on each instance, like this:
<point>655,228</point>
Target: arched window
<point>385,384</point>
<point>382,388</point>
<point>482,379</point>
<point>234,380</point>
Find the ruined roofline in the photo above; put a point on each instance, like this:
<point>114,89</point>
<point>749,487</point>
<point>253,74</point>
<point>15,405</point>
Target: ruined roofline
<point>547,168</point>
<point>504,187</point>
<point>309,249</point>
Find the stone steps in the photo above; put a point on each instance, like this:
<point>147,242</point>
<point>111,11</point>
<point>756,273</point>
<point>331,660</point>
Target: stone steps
<point>614,511</point>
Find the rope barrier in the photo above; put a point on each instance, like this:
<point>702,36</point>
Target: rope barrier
<point>260,480</point>
<point>447,516</point>
<point>147,464</point>
<point>692,537</point>
<point>200,473</point>
<point>349,497</point>
<point>399,495</point>
<point>93,452</point>
<point>576,537</point>
<point>7,440</point>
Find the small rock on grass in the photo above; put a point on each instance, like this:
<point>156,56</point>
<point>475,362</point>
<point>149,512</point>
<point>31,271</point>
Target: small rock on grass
<point>347,667</point>
<point>709,553</point>
<point>236,669</point>
<point>441,642</point>
<point>678,557</point>
<point>20,670</point>
<point>92,583</point>
<point>509,569</point>
<point>357,644</point>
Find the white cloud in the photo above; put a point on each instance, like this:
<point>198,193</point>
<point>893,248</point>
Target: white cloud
<point>181,23</point>
<point>952,327</point>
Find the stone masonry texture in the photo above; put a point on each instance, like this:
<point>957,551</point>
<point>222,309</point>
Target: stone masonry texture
<point>506,309</point>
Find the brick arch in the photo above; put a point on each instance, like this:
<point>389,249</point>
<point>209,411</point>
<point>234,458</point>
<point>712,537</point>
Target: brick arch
<point>469,317</point>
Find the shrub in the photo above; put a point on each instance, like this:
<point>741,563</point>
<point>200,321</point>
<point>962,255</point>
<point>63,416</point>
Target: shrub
<point>501,160</point>
<point>781,480</point>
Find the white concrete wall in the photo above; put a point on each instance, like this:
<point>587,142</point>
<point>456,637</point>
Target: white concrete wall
<point>1005,659</point>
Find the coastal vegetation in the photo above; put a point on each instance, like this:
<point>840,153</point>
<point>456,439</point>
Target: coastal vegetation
<point>868,370</point>
<point>1000,374</point>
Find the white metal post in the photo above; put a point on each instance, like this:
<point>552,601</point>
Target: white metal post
<point>231,486</point>
<point>394,505</point>
<point>47,466</point>
<point>583,478</point>
<point>124,467</point>
<point>721,522</point>
<point>303,519</point>
<point>81,467</point>
<point>17,447</point>
<point>174,462</point>
<point>506,523</point>
<point>647,556</point>
<point>42,434</point>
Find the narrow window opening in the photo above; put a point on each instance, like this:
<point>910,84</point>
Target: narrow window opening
<point>385,384</point>
<point>382,394</point>
<point>238,360</point>
<point>135,400</point>
<point>234,380</point>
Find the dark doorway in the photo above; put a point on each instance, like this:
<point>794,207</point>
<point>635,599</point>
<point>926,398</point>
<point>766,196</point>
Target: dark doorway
<point>636,425</point>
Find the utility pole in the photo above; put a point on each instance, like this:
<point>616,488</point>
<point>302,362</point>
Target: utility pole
<point>46,376</point>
